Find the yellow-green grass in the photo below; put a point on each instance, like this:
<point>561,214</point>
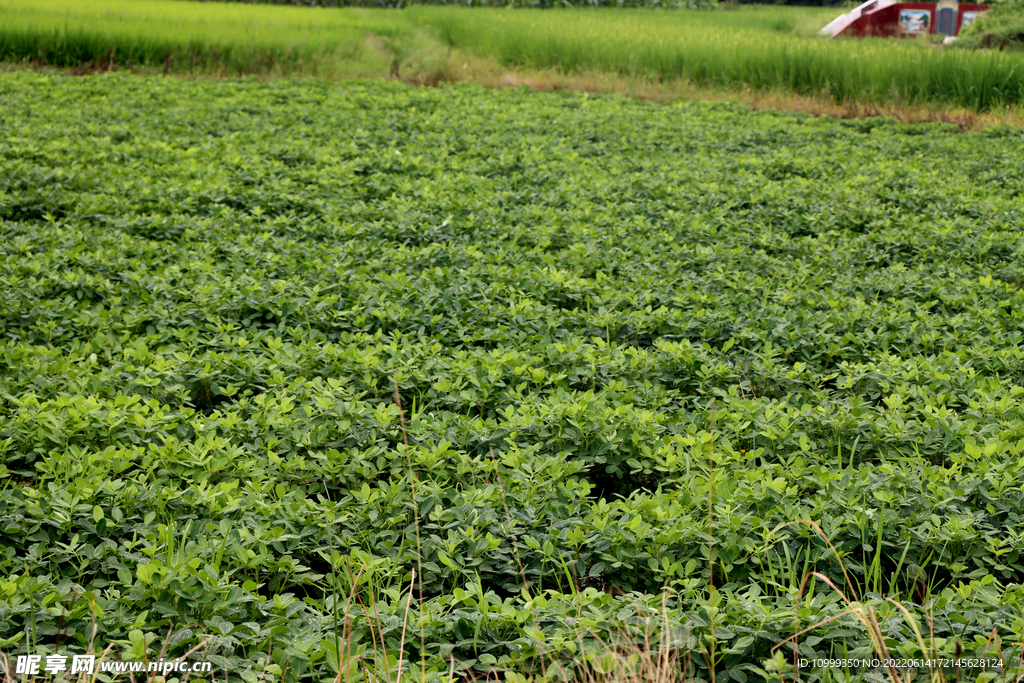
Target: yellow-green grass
<point>233,38</point>
<point>761,48</point>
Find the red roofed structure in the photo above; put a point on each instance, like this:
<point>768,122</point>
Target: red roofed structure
<point>891,18</point>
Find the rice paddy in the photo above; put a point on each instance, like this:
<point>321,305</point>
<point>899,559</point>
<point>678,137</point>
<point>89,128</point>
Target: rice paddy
<point>759,48</point>
<point>192,37</point>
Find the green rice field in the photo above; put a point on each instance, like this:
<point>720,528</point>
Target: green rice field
<point>760,48</point>
<point>191,37</point>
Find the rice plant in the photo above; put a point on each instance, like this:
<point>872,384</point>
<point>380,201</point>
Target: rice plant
<point>230,38</point>
<point>755,49</point>
<point>765,48</point>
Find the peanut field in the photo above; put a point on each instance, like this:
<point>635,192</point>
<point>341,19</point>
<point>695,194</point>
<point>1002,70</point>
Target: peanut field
<point>342,380</point>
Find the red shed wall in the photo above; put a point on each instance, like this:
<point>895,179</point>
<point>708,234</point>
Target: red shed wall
<point>884,19</point>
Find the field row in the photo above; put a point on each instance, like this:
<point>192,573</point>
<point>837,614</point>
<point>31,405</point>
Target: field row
<point>761,48</point>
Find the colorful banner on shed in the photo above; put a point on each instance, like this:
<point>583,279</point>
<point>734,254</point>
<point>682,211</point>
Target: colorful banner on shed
<point>915,20</point>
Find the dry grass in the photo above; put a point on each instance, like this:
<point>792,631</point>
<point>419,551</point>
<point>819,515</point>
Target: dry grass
<point>671,91</point>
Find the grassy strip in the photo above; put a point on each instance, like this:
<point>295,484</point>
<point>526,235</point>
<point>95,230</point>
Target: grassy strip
<point>752,50</point>
<point>492,75</point>
<point>216,40</point>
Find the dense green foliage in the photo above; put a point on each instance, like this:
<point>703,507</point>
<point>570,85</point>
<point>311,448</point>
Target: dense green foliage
<point>764,48</point>
<point>1001,27</point>
<point>209,289</point>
